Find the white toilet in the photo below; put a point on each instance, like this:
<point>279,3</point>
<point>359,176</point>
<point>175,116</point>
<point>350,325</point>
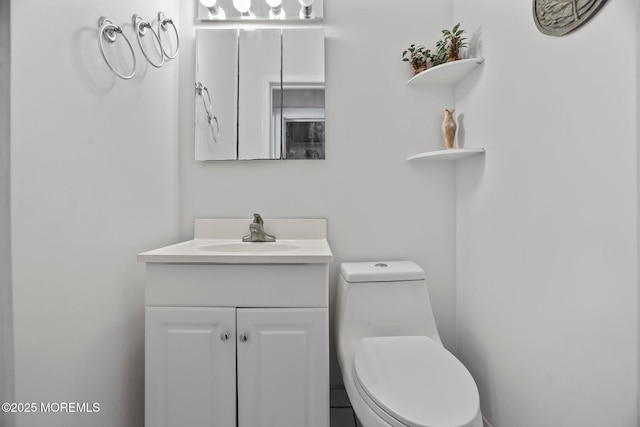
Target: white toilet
<point>394,367</point>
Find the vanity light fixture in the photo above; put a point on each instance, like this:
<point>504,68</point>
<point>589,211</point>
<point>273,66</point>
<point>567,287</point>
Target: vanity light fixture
<point>306,11</point>
<point>244,7</point>
<point>276,11</point>
<point>214,10</point>
<point>265,11</point>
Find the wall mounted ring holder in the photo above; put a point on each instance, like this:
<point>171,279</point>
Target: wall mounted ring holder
<point>109,32</point>
<point>201,90</point>
<point>140,26</point>
<point>163,25</point>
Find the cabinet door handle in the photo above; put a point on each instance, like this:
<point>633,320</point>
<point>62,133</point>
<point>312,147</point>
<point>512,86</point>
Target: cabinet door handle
<point>243,337</point>
<point>225,336</point>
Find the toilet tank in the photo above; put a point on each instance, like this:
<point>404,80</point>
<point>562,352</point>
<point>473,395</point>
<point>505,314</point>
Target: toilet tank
<point>383,299</point>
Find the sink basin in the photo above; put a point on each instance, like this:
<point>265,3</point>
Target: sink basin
<point>219,241</point>
<point>250,247</point>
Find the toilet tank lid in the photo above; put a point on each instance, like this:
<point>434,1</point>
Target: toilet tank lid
<point>382,271</point>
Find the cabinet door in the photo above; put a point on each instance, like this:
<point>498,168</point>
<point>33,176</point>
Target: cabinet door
<point>283,367</point>
<point>190,367</point>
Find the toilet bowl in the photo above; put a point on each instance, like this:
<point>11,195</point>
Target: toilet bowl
<point>395,369</point>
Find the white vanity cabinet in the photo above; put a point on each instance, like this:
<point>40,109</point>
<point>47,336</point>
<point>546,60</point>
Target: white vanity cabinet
<point>236,345</point>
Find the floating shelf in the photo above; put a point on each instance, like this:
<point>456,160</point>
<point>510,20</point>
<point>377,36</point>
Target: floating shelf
<point>445,74</point>
<point>448,155</point>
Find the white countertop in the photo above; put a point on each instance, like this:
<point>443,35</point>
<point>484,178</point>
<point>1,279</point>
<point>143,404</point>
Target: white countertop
<point>298,241</point>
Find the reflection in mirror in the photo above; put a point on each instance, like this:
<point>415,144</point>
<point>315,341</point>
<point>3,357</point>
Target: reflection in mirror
<point>259,75</point>
<point>302,113</point>
<point>267,94</point>
<point>215,97</point>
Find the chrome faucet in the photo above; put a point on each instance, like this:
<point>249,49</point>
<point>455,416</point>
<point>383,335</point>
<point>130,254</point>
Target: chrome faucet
<point>256,231</point>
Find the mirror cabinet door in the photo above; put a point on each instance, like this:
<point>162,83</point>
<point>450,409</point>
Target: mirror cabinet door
<point>259,76</point>
<point>303,94</point>
<point>215,99</point>
<point>266,90</point>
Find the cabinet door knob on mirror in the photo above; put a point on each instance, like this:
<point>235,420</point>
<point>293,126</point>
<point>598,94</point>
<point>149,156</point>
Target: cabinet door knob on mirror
<point>243,337</point>
<point>225,336</point>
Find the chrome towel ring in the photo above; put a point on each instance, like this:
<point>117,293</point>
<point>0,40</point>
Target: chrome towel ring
<point>163,24</point>
<point>109,31</point>
<point>140,26</point>
<point>201,90</point>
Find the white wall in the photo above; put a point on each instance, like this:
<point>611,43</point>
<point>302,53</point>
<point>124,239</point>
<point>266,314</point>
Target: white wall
<point>6,323</point>
<point>547,222</point>
<point>93,182</point>
<point>377,204</point>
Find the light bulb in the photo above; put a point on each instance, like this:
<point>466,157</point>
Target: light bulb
<point>242,6</point>
<point>215,11</point>
<point>306,11</point>
<point>276,11</point>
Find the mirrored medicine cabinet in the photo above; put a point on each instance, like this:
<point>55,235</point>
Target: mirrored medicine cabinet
<point>259,94</point>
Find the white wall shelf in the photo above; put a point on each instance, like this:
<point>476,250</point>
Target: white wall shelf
<point>445,74</point>
<point>448,155</point>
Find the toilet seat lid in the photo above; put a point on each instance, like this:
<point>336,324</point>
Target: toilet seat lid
<point>417,381</point>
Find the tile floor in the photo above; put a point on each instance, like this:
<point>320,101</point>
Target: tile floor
<point>341,414</point>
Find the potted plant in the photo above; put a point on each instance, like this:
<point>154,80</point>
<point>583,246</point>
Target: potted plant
<point>418,56</point>
<point>450,44</point>
<point>441,56</point>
